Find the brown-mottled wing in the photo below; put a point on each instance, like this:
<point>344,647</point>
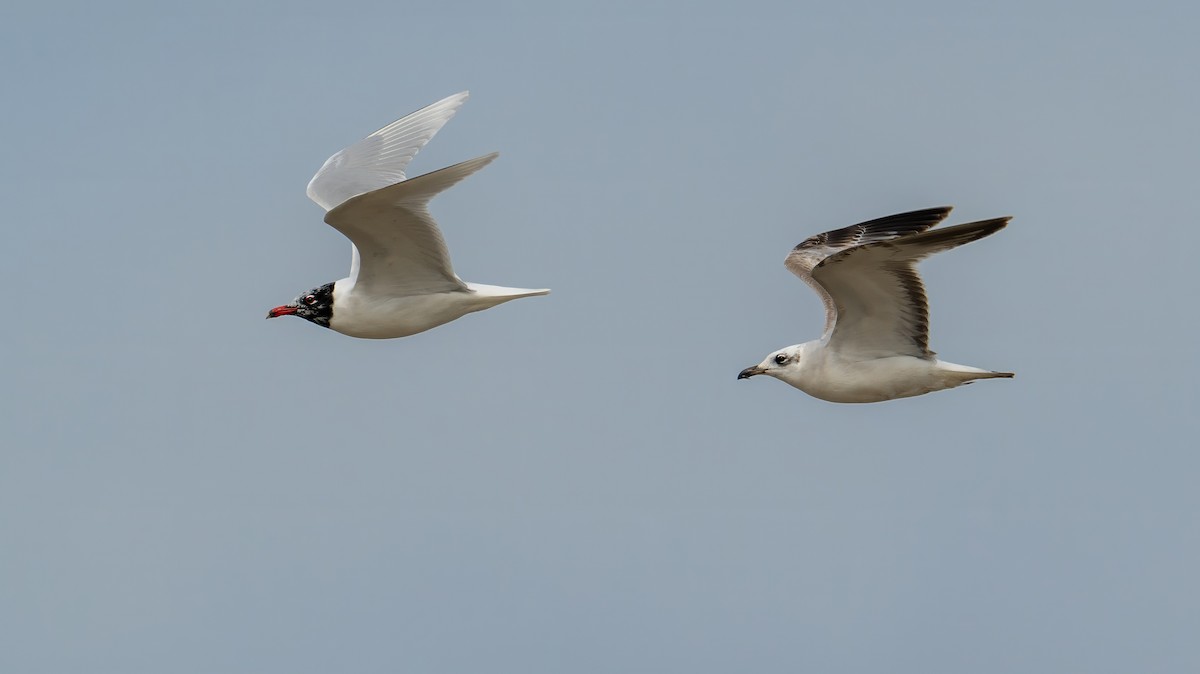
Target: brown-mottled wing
<point>879,300</point>
<point>816,249</point>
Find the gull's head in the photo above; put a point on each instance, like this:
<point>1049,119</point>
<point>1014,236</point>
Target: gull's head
<point>779,364</point>
<point>315,305</point>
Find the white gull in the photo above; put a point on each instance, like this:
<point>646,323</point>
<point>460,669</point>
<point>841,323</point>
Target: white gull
<point>876,341</point>
<point>401,281</point>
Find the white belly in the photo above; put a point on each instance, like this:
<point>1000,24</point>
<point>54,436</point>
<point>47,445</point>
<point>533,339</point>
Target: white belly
<point>390,317</point>
<point>872,381</point>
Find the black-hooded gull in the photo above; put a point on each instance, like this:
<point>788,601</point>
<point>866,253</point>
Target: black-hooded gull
<point>400,281</point>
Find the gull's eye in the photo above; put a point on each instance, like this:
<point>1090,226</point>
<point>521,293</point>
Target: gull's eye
<point>780,359</point>
<point>310,300</point>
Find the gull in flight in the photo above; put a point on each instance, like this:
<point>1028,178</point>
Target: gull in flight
<point>400,281</point>
<point>876,341</point>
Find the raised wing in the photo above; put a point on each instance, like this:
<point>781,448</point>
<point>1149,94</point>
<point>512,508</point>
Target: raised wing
<point>400,249</point>
<point>880,308</point>
<point>816,249</point>
<point>379,159</point>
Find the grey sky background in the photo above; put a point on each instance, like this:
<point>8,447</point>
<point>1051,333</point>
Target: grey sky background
<point>577,483</point>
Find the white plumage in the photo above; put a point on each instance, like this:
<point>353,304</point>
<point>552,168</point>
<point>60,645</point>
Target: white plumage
<point>876,341</point>
<point>401,280</point>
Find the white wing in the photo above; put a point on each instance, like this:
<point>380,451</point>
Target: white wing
<point>875,300</point>
<point>379,159</point>
<point>401,250</point>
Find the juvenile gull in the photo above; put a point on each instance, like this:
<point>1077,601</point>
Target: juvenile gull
<point>876,341</point>
<point>400,281</point>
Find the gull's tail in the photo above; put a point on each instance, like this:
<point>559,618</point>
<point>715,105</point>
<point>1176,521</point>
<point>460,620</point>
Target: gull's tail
<point>956,375</point>
<point>992,374</point>
<point>493,295</point>
<point>485,290</point>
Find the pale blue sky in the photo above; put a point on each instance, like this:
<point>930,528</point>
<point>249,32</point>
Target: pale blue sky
<point>577,483</point>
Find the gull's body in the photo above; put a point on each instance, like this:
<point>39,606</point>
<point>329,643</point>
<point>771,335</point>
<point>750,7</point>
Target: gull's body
<point>384,317</point>
<point>876,341</point>
<point>401,281</point>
